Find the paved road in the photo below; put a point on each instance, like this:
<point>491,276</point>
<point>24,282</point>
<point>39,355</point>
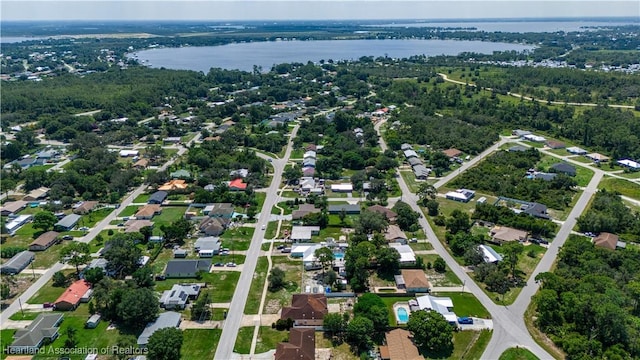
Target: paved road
<point>48,274</point>
<point>239,300</point>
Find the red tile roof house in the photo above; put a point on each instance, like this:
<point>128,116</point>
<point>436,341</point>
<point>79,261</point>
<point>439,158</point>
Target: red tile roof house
<point>237,185</point>
<point>76,293</point>
<point>301,345</point>
<point>306,309</point>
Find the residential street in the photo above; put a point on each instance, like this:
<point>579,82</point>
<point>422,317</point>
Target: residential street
<point>236,310</point>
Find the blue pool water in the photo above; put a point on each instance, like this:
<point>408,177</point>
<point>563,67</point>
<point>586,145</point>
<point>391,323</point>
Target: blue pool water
<point>338,256</point>
<point>402,315</point>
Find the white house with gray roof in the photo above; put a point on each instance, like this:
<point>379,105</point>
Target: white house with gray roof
<point>165,320</point>
<point>179,295</point>
<point>67,223</point>
<point>43,328</point>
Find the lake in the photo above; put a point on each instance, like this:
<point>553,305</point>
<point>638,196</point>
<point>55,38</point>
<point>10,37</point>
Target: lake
<point>515,26</point>
<point>243,56</point>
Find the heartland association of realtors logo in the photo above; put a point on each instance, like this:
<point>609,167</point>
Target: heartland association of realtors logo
<point>49,350</point>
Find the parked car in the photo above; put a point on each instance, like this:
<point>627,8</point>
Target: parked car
<point>218,264</point>
<point>264,227</point>
<point>286,250</point>
<point>280,247</point>
<point>47,305</point>
<point>121,224</point>
<point>67,237</point>
<point>413,240</point>
<point>231,264</point>
<point>465,320</point>
<point>84,228</point>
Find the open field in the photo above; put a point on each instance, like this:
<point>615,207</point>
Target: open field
<point>220,285</point>
<point>626,188</point>
<point>199,343</point>
<point>293,276</point>
<point>257,284</point>
<point>268,339</point>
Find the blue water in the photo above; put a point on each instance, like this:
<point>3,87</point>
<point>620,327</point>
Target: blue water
<point>402,315</point>
<point>338,256</point>
<point>244,56</point>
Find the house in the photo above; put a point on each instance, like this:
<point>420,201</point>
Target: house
<point>36,194</point>
<point>576,150</point>
<point>180,174</point>
<point>12,207</point>
<point>534,138</point>
<point>141,164</point>
<point>71,298</point>
<point>306,309</point>
<point>517,148</point>
<point>442,305</point>
<point>552,144</point>
<point>220,210</point>
<point>306,252</point>
<point>310,147</point>
<point>543,176</point>
<point>309,162</point>
<point>301,345</point>
<point>351,209</point>
<point>414,161</point>
<point>536,210</point>
<point>629,164</point>
<point>395,234</point>
<point>501,234</point>
<point>608,241</point>
<point>186,268</point>
<point>304,210</point>
<point>563,168</point>
<point>67,223</point>
<point>165,320</point>
<point>407,256</point>
<point>421,172</point>
<point>93,321</point>
<point>597,157</point>
<point>17,263</point>
<point>213,226</point>
<point>413,281</point>
<point>240,173</point>
<point>180,253</point>
<point>410,154</point>
<point>341,187</point>
<point>452,153</point>
<point>309,154</point>
<point>157,197</point>
<point>303,233</point>
<point>44,241</point>
<point>207,246</point>
<point>95,263</point>
<point>176,184</point>
<point>489,255</point>
<point>129,153</point>
<point>148,211</point>
<point>43,329</point>
<point>16,223</point>
<point>399,346</point>
<point>462,195</point>
<point>520,133</point>
<point>179,295</point>
<point>237,185</point>
<point>136,225</point>
<point>309,171</point>
<point>406,146</point>
<point>85,207</point>
<point>388,213</point>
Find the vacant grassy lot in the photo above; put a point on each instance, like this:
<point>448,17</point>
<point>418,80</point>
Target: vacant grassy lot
<point>200,343</point>
<point>293,276</point>
<point>244,233</point>
<point>142,198</point>
<point>448,278</point>
<point>257,284</point>
<point>465,304</point>
<point>49,293</point>
<point>6,338</point>
<point>169,214</point>
<point>624,187</point>
<point>129,211</point>
<point>220,285</point>
<point>94,217</point>
<point>410,180</point>
<point>268,339</point>
<point>518,354</point>
<point>28,315</point>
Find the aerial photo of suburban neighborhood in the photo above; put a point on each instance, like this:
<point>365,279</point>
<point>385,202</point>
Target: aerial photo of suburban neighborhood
<point>382,188</point>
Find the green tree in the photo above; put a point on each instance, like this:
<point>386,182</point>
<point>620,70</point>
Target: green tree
<point>5,291</point>
<point>371,221</point>
<point>342,215</point>
<point>324,256</point>
<point>200,311</point>
<point>93,275</point>
<point>70,341</point>
<point>177,231</point>
<point>276,279</point>
<point>388,260</point>
<point>143,277</point>
<point>165,344</point>
<point>292,173</point>
<point>373,308</point>
<point>334,324</point>
<point>358,334</point>
<point>125,342</point>
<point>458,222</point>
<point>122,255</point>
<point>44,220</point>
<point>76,254</point>
<point>426,192</point>
<point>432,207</point>
<point>59,279</point>
<point>407,219</point>
<point>146,231</point>
<point>137,307</point>
<point>439,265</point>
<point>430,330</point>
<point>512,251</point>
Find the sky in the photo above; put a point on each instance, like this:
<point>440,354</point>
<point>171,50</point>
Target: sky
<point>230,10</point>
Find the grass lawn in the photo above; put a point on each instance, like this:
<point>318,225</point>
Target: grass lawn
<point>169,214</point>
<point>268,339</point>
<point>28,315</point>
<point>517,354</point>
<point>448,278</point>
<point>199,343</point>
<point>257,284</point>
<point>236,244</point>
<point>99,337</point>
<point>243,342</point>
<point>624,187</point>
<point>583,175</point>
<point>23,236</point>
<point>44,259</point>
<point>260,197</point>
<point>329,231</point>
<point>129,211</point>
<point>410,180</point>
<point>270,232</point>
<point>287,209</point>
<point>389,301</point>
<point>220,285</point>
<point>447,206</point>
<point>582,159</point>
<point>293,276</point>
<point>421,246</point>
<point>478,345</point>
<point>241,233</point>
<point>290,194</point>
<point>465,304</point>
<point>142,198</point>
<point>94,217</point>
<point>6,338</point>
<point>631,175</point>
<point>49,293</point>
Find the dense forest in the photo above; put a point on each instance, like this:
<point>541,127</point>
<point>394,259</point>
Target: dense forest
<point>590,304</point>
<point>504,174</point>
<point>609,214</point>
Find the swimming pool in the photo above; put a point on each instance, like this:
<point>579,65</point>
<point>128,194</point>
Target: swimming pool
<point>402,315</point>
<point>338,256</point>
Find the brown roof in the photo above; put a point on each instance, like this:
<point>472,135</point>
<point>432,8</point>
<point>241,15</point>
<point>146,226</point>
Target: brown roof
<point>401,347</point>
<point>136,225</point>
<point>141,163</point>
<point>310,147</point>
<point>394,232</point>
<point>390,214</point>
<point>306,306</point>
<point>303,210</point>
<point>415,279</point>
<point>384,352</point>
<point>85,207</point>
<point>13,206</point>
<point>606,240</point>
<point>504,233</point>
<point>452,152</point>
<point>149,210</point>
<point>301,345</point>
<point>555,144</point>
<point>176,184</point>
<point>45,239</point>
